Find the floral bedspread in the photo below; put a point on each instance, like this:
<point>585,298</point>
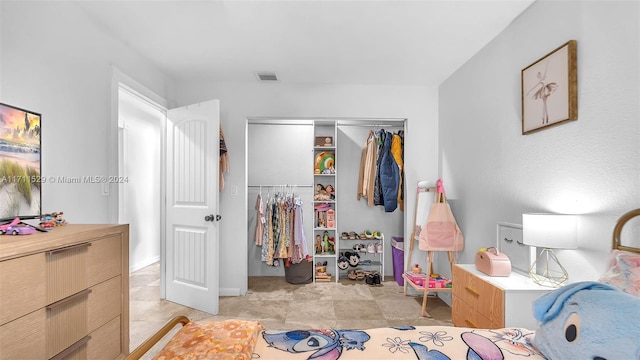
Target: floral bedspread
<point>408,342</point>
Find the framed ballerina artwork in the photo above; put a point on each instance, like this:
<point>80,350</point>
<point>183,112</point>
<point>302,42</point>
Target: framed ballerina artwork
<point>550,89</point>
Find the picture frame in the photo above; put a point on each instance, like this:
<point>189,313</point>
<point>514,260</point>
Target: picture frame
<point>509,240</point>
<point>549,90</point>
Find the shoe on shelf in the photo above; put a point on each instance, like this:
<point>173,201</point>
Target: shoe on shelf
<point>368,234</point>
<point>379,247</point>
<point>352,274</point>
<point>343,262</point>
<point>377,234</point>
<point>363,236</point>
<point>353,235</point>
<point>344,236</point>
<point>374,279</point>
<point>377,279</point>
<point>371,248</point>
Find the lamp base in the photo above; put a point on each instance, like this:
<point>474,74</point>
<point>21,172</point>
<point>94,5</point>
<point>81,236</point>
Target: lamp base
<point>553,274</point>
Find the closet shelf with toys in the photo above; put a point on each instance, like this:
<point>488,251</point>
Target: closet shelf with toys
<point>324,202</point>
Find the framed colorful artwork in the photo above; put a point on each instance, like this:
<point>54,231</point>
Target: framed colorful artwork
<point>550,89</point>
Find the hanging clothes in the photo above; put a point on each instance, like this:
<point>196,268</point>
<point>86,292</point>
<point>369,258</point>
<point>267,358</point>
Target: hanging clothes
<point>367,174</point>
<point>300,250</point>
<point>283,234</point>
<point>381,175</point>
<point>397,150</point>
<point>271,231</point>
<point>259,231</point>
<point>224,160</point>
<point>389,176</point>
<point>378,196</point>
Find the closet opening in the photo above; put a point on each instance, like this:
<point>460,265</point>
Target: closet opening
<point>296,158</point>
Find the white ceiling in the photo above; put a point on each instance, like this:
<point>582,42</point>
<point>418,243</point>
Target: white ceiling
<point>322,41</point>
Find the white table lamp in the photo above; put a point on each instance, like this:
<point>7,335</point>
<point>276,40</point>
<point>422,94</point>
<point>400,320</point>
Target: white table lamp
<point>549,231</point>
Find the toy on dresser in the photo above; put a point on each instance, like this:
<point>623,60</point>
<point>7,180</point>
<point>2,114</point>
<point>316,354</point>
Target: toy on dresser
<point>51,220</point>
<point>17,227</point>
<point>493,262</point>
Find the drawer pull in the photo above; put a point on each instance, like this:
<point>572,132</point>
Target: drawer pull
<point>471,324</point>
<point>475,293</point>
<point>68,299</point>
<point>68,248</point>
<point>68,351</point>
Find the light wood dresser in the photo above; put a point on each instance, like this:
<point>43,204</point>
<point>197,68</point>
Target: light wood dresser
<point>64,294</point>
<point>488,302</point>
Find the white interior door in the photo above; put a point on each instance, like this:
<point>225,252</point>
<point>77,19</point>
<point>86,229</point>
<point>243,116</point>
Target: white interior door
<point>191,247</point>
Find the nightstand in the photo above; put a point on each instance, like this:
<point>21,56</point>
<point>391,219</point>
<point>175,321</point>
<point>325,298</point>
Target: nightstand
<point>487,302</point>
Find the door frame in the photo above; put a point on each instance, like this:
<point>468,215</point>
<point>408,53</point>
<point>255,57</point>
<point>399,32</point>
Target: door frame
<point>120,80</point>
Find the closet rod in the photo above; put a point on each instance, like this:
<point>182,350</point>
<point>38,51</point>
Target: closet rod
<point>372,125</point>
<point>281,185</point>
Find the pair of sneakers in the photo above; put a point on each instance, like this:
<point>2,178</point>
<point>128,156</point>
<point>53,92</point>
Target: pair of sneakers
<point>373,248</point>
<point>368,234</point>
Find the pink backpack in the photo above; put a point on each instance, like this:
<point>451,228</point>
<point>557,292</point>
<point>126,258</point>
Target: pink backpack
<point>441,232</point>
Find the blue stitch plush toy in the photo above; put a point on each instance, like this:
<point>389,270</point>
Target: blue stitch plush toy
<point>588,320</point>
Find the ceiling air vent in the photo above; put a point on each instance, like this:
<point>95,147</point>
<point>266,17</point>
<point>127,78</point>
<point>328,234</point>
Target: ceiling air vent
<point>267,76</point>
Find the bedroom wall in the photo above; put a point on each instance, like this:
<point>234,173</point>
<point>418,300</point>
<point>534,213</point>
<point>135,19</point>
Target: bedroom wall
<point>57,61</point>
<point>241,100</point>
<point>590,166</point>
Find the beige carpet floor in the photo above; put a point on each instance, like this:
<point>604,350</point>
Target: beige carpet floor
<point>279,305</point>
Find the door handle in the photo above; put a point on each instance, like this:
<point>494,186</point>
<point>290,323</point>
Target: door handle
<point>212,218</point>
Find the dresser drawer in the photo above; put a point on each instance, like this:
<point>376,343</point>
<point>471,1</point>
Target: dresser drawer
<point>479,294</point>
<point>66,271</point>
<point>105,342</point>
<point>66,322</point>
<point>466,316</point>
<point>24,338</point>
<point>77,351</point>
<point>104,302</point>
<point>104,260</point>
<point>22,286</point>
<point>468,287</point>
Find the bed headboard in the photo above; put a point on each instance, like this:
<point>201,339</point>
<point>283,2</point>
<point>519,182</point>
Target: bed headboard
<point>617,230</point>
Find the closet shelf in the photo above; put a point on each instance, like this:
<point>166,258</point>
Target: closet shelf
<point>326,255</point>
<point>372,264</point>
<point>325,221</point>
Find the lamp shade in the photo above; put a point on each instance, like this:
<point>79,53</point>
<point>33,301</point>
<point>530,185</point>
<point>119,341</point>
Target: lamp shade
<point>554,231</point>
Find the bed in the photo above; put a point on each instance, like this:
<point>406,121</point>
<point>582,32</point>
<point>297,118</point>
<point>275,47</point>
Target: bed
<point>620,284</point>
